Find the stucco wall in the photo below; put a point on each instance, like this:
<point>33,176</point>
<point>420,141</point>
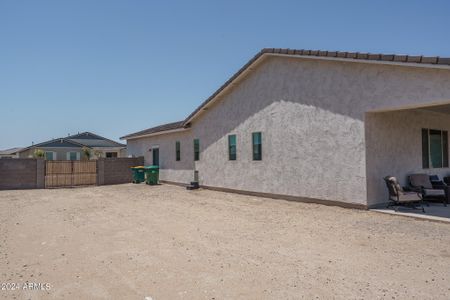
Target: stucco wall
<point>311,115</point>
<point>170,169</point>
<point>394,147</point>
<point>116,170</point>
<point>61,152</point>
<point>123,153</point>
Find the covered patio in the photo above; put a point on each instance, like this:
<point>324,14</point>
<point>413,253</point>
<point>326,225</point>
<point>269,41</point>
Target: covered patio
<point>405,141</point>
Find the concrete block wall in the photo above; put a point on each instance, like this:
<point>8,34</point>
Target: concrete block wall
<point>29,173</point>
<point>22,173</point>
<point>116,170</point>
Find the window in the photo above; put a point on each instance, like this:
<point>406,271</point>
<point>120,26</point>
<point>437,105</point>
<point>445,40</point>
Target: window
<point>257,147</point>
<point>434,148</point>
<point>110,154</point>
<point>177,151</point>
<point>196,149</point>
<point>49,155</point>
<point>232,147</point>
<point>73,156</point>
<point>155,155</point>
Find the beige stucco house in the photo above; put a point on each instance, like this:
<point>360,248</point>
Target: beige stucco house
<point>311,125</point>
<point>10,153</point>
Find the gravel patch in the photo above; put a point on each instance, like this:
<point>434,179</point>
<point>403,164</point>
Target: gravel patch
<point>164,242</point>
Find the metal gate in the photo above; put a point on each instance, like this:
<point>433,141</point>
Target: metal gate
<point>65,173</point>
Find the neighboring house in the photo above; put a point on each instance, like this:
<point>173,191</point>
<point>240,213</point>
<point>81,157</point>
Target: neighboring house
<point>71,147</point>
<point>10,153</point>
<point>312,125</point>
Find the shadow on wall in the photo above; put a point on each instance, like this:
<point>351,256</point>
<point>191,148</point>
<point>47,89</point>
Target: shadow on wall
<point>347,89</point>
<point>311,98</point>
<point>282,82</point>
<point>300,148</point>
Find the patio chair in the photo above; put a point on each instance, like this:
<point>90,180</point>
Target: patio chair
<point>399,197</point>
<point>422,183</point>
<point>436,182</point>
<point>447,180</point>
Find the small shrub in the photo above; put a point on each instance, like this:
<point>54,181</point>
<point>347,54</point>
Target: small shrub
<point>87,152</point>
<point>39,153</point>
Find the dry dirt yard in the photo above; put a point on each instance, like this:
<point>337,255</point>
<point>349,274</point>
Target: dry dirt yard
<point>136,241</point>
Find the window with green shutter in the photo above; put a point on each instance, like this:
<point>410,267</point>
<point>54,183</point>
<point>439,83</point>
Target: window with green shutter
<point>49,155</point>
<point>257,145</point>
<point>177,151</point>
<point>196,149</point>
<point>232,147</point>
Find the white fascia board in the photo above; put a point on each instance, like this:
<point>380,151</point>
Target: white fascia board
<point>155,133</point>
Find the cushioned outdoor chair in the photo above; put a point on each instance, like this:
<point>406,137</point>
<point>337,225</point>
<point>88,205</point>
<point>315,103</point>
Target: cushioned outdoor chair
<point>422,183</point>
<point>399,197</point>
<point>447,180</point>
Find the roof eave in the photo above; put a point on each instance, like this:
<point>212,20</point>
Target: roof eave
<point>230,83</point>
<point>365,61</point>
<point>109,148</point>
<point>154,133</point>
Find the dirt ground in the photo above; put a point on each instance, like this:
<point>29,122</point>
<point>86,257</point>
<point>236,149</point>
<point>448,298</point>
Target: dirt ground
<point>164,242</point>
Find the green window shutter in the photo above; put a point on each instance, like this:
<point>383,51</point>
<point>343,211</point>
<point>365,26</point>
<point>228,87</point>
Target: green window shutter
<point>177,151</point>
<point>196,149</point>
<point>232,147</point>
<point>445,149</point>
<point>257,145</point>
<point>73,155</point>
<point>49,155</point>
<point>425,149</point>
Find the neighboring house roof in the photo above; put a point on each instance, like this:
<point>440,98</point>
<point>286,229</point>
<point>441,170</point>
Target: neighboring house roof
<point>55,143</point>
<point>406,60</point>
<point>93,140</point>
<point>85,139</point>
<point>10,151</point>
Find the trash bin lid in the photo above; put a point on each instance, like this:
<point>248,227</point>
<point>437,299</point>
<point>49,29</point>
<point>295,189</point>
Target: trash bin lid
<point>151,167</point>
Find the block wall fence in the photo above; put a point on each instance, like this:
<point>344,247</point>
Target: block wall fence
<point>29,173</point>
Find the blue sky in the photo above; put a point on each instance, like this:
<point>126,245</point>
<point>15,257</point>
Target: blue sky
<point>115,67</point>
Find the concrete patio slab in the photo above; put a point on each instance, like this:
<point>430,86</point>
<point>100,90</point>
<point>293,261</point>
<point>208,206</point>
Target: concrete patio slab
<point>433,212</point>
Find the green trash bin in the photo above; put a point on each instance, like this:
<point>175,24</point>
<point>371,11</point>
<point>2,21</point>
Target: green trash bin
<point>138,174</point>
<point>152,175</point>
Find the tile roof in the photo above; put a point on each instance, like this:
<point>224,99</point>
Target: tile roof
<point>417,60</point>
<point>87,139</point>
<point>93,140</point>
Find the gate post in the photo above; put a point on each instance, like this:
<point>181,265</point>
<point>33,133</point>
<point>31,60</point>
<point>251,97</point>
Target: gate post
<point>100,171</point>
<point>40,173</point>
